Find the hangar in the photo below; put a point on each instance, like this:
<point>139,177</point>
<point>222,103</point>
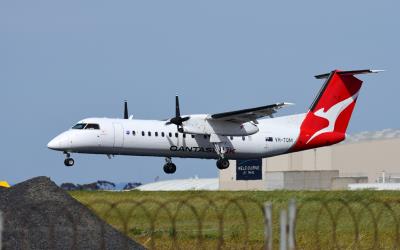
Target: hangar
<point>364,157</point>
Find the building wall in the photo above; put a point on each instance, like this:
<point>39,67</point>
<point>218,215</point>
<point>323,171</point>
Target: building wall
<point>310,179</point>
<point>314,159</point>
<point>365,158</point>
<point>300,180</point>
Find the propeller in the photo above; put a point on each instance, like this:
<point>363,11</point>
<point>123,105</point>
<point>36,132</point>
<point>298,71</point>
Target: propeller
<point>178,119</point>
<point>126,110</point>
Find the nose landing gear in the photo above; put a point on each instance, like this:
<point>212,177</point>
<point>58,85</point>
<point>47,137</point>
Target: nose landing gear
<point>169,167</point>
<point>69,162</point>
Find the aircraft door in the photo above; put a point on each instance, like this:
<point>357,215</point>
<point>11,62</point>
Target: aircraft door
<point>118,136</point>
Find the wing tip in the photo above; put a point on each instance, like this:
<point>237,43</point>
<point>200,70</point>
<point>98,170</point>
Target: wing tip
<point>289,103</point>
<point>283,104</point>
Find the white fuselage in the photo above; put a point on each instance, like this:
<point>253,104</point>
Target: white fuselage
<point>239,134</point>
<point>274,136</point>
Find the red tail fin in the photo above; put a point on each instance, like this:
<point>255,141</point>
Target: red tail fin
<point>329,115</point>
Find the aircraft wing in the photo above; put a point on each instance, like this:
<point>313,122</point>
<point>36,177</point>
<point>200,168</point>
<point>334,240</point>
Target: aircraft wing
<point>252,114</point>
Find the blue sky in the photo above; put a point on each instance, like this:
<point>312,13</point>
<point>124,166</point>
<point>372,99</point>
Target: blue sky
<point>61,61</point>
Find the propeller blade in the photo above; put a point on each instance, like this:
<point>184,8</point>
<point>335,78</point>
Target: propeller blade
<point>177,120</point>
<point>184,119</point>
<point>180,129</point>
<point>177,109</point>
<point>126,110</point>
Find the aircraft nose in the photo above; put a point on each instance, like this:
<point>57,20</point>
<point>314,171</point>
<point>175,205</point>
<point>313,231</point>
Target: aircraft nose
<point>59,142</point>
<point>53,144</point>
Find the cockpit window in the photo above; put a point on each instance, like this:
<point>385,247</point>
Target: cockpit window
<point>92,126</point>
<point>79,126</point>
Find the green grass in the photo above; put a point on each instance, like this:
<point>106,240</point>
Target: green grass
<point>209,220</point>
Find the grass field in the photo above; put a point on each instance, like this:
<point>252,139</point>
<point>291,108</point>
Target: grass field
<point>235,220</point>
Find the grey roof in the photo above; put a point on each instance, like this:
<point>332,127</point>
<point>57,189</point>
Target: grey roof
<point>181,185</point>
<point>373,135</point>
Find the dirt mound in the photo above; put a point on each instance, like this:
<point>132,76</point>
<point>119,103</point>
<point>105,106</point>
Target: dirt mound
<point>40,215</point>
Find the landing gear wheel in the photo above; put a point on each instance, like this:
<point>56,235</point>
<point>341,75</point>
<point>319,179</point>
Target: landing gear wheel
<point>69,162</point>
<point>169,168</point>
<point>223,163</point>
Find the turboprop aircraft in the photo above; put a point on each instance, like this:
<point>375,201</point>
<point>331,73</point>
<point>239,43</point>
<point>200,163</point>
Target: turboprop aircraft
<point>240,134</point>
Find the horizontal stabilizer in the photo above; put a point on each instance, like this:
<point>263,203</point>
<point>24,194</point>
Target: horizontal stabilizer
<point>351,72</point>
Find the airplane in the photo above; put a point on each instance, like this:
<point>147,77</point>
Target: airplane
<point>240,134</point>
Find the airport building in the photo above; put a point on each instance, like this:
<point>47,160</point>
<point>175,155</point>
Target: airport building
<point>368,157</point>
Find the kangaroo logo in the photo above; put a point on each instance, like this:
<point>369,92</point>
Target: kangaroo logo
<point>332,114</point>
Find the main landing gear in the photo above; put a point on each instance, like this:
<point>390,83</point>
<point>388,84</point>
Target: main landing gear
<point>222,163</point>
<point>69,162</point>
<point>169,167</point>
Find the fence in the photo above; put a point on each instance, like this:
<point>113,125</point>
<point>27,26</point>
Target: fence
<point>199,222</point>
<point>1,228</point>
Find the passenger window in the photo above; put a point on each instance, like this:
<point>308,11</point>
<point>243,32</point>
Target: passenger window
<point>149,133</point>
<point>162,134</point>
<point>133,132</point>
<point>176,135</point>
<point>170,134</point>
<point>192,136</point>
<point>143,133</point>
<point>156,133</point>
